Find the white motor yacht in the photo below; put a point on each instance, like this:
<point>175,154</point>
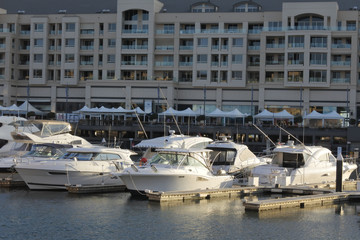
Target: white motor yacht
<point>38,152</point>
<point>79,166</point>
<point>299,164</point>
<point>172,141</point>
<point>236,159</point>
<point>175,170</point>
<point>46,135</point>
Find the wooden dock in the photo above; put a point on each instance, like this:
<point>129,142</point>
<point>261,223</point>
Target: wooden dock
<point>95,188</point>
<point>204,194</point>
<point>302,201</point>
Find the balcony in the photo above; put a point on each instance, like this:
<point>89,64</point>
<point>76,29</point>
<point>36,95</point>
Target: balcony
<point>186,47</point>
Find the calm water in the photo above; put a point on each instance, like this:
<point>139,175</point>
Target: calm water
<point>60,215</point>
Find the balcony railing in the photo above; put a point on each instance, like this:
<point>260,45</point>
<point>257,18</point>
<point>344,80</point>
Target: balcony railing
<point>185,64</point>
<point>275,45</point>
<point>345,45</point>
<point>340,80</point>
<point>164,64</point>
<point>340,63</point>
<point>169,47</point>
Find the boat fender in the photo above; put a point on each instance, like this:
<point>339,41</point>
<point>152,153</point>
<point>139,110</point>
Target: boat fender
<point>143,161</point>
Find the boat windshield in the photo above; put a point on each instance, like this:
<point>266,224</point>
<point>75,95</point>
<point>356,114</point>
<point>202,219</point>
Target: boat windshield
<point>45,151</point>
<point>175,159</point>
<point>78,155</point>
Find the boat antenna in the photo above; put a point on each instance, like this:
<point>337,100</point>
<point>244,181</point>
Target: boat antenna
<point>167,105</point>
<point>139,121</point>
<point>264,134</point>
<point>290,135</point>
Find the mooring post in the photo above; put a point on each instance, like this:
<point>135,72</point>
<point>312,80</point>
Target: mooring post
<point>339,171</point>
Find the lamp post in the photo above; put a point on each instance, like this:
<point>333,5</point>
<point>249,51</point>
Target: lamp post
<point>27,96</point>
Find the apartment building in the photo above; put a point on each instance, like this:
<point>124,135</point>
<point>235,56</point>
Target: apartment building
<point>250,55</point>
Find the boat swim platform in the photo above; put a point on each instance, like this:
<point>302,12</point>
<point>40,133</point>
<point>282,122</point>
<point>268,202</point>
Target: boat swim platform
<point>83,189</point>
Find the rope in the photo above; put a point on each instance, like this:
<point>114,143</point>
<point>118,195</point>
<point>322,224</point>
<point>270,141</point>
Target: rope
<point>135,185</point>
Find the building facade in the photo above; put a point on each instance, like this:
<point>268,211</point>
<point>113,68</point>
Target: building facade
<point>148,53</point>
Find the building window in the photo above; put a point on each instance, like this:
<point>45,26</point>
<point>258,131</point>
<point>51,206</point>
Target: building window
<point>296,58</point>
<point>69,73</point>
<point>37,73</point>
<point>295,76</point>
<point>236,75</point>
<point>201,75</point>
<point>236,59</point>
<point>69,58</point>
<point>145,15</point>
<point>351,26</point>
<point>38,42</point>
<point>238,42</point>
<point>131,15</point>
<point>69,42</point>
<point>202,42</point>
<point>275,26</point>
<point>70,27</point>
<point>111,58</point>
<point>111,43</point>
<point>112,27</point>
<point>201,58</point>
<point>110,74</point>
<point>318,42</point>
<point>38,58</point>
<point>317,76</point>
<point>38,27</point>
<point>296,41</point>
<point>318,58</point>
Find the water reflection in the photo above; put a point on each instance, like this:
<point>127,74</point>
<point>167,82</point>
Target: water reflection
<point>44,215</point>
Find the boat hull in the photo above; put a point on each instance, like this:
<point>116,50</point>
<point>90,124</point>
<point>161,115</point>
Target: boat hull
<point>47,179</point>
<point>272,174</point>
<point>140,183</point>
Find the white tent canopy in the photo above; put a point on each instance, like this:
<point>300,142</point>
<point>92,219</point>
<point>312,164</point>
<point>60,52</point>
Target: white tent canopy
<point>333,115</point>
<point>265,115</point>
<point>27,107</point>
<point>216,113</point>
<point>314,115</point>
<point>284,115</point>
